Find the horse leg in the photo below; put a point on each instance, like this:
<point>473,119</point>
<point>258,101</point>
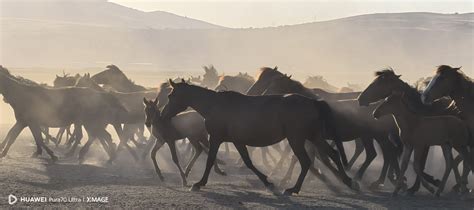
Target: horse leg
<point>359,148</point>
<point>124,135</point>
<point>283,157</point>
<point>36,131</point>
<point>149,145</point>
<point>107,143</point>
<point>158,144</point>
<point>242,149</point>
<point>370,155</point>
<point>427,177</point>
<point>75,139</point>
<point>448,157</point>
<point>406,154</point>
<point>214,144</point>
<point>286,179</point>
<point>196,152</point>
<point>387,161</point>
<point>456,163</point>
<point>417,165</point>
<point>325,151</point>
<point>10,138</point>
<point>298,147</point>
<point>174,156</point>
<point>467,166</point>
<point>86,147</point>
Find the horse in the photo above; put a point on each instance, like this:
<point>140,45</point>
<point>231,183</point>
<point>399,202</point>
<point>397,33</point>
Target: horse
<point>258,121</point>
<point>385,83</point>
<point>60,82</point>
<point>418,132</point>
<point>264,79</point>
<point>188,125</point>
<point>352,122</point>
<point>132,102</point>
<point>59,107</point>
<point>452,82</point>
<point>210,77</point>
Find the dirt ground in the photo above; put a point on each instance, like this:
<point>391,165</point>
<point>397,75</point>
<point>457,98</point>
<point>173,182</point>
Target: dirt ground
<point>130,184</point>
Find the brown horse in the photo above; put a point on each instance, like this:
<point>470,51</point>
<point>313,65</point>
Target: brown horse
<point>385,83</point>
<point>37,106</point>
<point>418,132</point>
<point>258,121</point>
<point>452,82</point>
<point>352,121</point>
<point>188,125</point>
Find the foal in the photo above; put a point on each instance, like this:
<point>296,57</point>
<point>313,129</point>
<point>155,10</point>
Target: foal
<point>419,132</point>
<point>188,125</point>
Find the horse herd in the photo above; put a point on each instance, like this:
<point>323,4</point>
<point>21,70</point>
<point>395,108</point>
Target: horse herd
<point>258,113</point>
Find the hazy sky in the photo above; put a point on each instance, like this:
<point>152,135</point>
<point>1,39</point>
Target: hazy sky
<point>263,13</point>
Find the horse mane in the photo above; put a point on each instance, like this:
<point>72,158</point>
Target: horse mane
<point>267,70</point>
<point>20,79</point>
<point>468,84</point>
<point>386,71</point>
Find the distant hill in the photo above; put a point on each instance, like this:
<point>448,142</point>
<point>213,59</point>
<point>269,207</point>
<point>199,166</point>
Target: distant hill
<point>342,50</point>
<point>94,13</point>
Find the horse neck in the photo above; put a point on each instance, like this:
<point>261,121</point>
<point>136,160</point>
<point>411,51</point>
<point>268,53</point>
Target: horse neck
<point>202,100</point>
<point>14,92</point>
<point>463,95</point>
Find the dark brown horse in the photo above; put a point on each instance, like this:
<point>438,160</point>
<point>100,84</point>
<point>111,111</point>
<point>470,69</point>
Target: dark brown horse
<point>188,125</point>
<point>258,121</point>
<point>452,82</point>
<point>419,132</point>
<point>385,83</point>
<point>352,121</point>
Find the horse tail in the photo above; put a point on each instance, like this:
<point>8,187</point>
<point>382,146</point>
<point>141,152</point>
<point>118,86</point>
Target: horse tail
<point>330,128</point>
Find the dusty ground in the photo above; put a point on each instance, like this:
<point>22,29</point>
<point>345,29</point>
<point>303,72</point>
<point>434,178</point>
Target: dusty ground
<point>127,184</point>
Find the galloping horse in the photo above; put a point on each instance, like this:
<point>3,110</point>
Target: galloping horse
<point>387,82</point>
<point>36,106</point>
<point>452,82</point>
<point>188,125</point>
<point>419,132</point>
<point>352,122</point>
<point>258,121</point>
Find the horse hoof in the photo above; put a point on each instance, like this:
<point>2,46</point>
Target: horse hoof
<point>376,186</point>
<point>222,173</point>
<point>288,192</point>
<point>355,185</point>
<point>195,188</point>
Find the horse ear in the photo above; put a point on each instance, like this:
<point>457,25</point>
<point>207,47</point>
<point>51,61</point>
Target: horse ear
<point>183,81</point>
<point>276,68</point>
<point>458,68</point>
<point>145,101</point>
<point>289,77</point>
<point>172,83</point>
<point>399,75</point>
<point>155,102</point>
